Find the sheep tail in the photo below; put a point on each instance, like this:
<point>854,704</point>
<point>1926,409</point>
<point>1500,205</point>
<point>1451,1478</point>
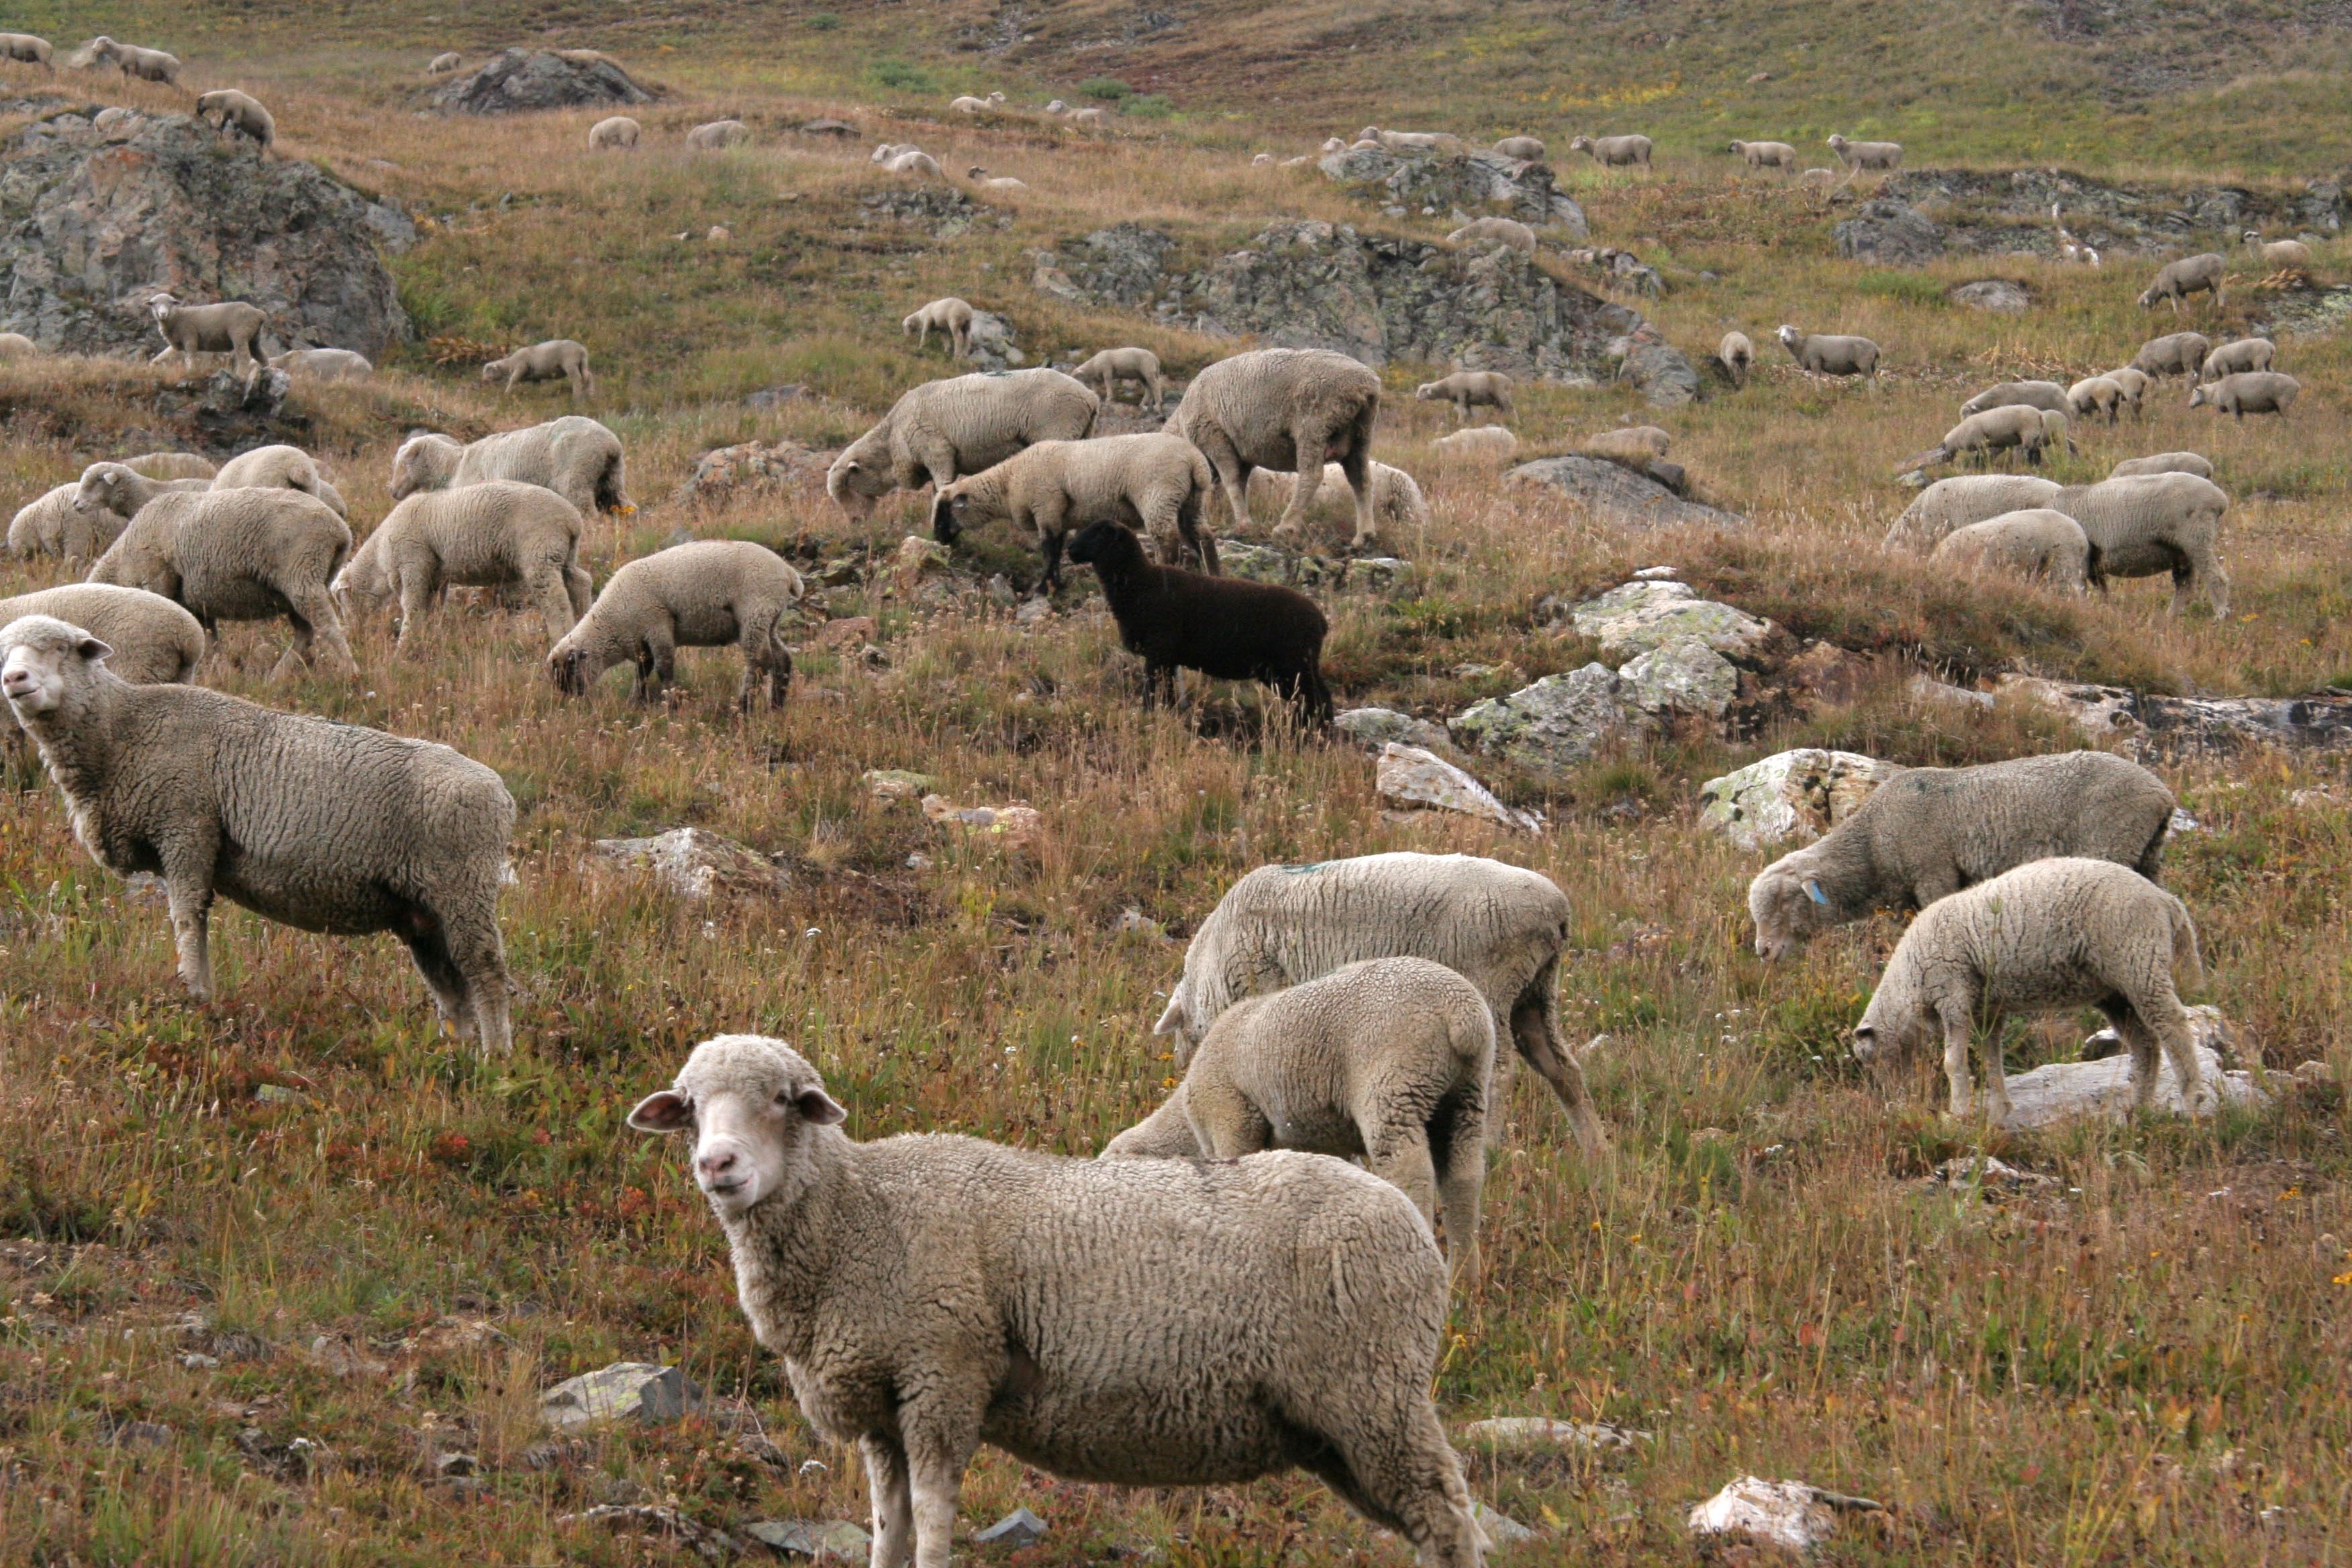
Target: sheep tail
<point>2188,963</point>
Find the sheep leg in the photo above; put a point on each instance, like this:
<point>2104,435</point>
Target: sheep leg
<point>1307,447</point>
<point>1224,1124</point>
<point>1995,1074</point>
<point>940,1445</point>
<point>416,594</point>
<point>1957,1018</point>
<point>580,588</point>
<point>421,933</point>
<point>1407,1481</point>
<point>552,594</point>
<point>2140,1043</point>
<point>1158,391</point>
<point>1535,1030</point>
<point>188,888</point>
<point>1049,541</point>
<point>657,664</point>
<point>1458,1140</point>
<point>312,612</point>
<point>1400,1156</point>
<point>1233,473</point>
<point>893,1507</point>
<point>1356,462</point>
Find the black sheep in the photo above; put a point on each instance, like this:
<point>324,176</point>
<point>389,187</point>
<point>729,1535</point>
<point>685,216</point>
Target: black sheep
<point>1222,627</point>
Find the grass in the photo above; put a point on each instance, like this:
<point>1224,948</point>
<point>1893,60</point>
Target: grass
<point>2144,1362</point>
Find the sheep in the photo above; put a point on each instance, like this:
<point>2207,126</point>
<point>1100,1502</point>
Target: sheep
<point>1956,502</point>
<point>1927,833</point>
<point>950,316</point>
<point>1819,183</point>
<point>2012,427</point>
<point>240,555</point>
<point>1333,144</point>
<point>1091,118</point>
<point>121,492</point>
<point>2279,255</point>
<point>487,535</point>
<point>16,345</point>
<point>2175,353</point>
<point>2176,281</point>
<point>1635,446</point>
<point>1613,152</point>
<point>708,593</point>
<point>1057,107</point>
<point>614,133</point>
<point>2164,463</point>
<point>1157,483</point>
<point>1481,443</point>
<point>443,63</point>
<point>1526,149</point>
<point>1466,389</point>
<point>1222,627</point>
<point>1135,364</point>
<point>1396,496</point>
<point>2054,935</point>
<point>1004,182</point>
<point>1504,231</point>
<point>231,327</point>
<point>943,429</point>
<point>915,162</point>
<point>1439,141</point>
<point>324,364</point>
<point>2153,523</point>
<point>2047,394</point>
<point>2248,392</point>
<point>2096,395</point>
<point>575,457</point>
<point>557,357</point>
<point>1824,354</point>
<point>1291,409</point>
<point>1876,156</point>
<point>148,65</point>
<point>1500,927</point>
<point>2038,543</point>
<point>171,466</point>
<point>1737,356</point>
<point>277,468</point>
<point>1389,1059</point>
<point>152,640</point>
<point>1765,154</point>
<point>885,152</point>
<point>49,525</point>
<point>2070,249</point>
<point>2241,354</point>
<point>241,113</point>
<point>320,825</point>
<point>29,49</point>
<point>968,104</point>
<point>1147,1322</point>
<point>718,135</point>
<point>2135,385</point>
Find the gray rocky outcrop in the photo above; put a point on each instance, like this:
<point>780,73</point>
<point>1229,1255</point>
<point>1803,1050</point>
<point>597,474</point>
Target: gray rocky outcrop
<point>1890,232</point>
<point>1620,495</point>
<point>2157,725</point>
<point>1456,187</point>
<point>516,80</point>
<point>2004,211</point>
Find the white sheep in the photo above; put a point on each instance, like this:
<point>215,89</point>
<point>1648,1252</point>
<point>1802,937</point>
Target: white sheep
<point>2054,934</point>
<point>1091,118</point>
<point>279,468</point>
<point>2164,463</point>
<point>943,429</point>
<point>16,345</point>
<point>1288,409</point>
<point>171,466</point>
<point>2047,394</point>
<point>950,315</point>
<point>1057,107</point>
<point>914,161</point>
<point>2038,543</point>
<point>2096,395</point>
<point>119,490</point>
<point>1156,483</point>
<point>1504,231</point>
<point>1958,501</point>
<point>1480,443</point>
<point>240,555</point>
<point>239,111</point>
<point>556,359</point>
<point>2135,385</point>
<point>2233,357</point>
<point>1823,353</point>
<point>718,135</point>
<point>147,65</point>
<point>2150,525</point>
<point>153,639</point>
<point>884,152</point>
<point>443,63</point>
<point>29,49</point>
<point>614,133</point>
<point>711,592</point>
<point>320,825</point>
<point>1466,389</point>
<point>51,524</point>
<point>1767,154</point>
<point>487,535</point>
<point>2175,353</point>
<point>1614,151</point>
<point>1397,500</point>
<point>1737,356</point>
<point>231,327</point>
<point>575,457</point>
<point>2010,428</point>
<point>324,364</point>
<point>1860,156</point>
<point>2279,255</point>
<point>2248,392</point>
<point>967,104</point>
<point>2176,281</point>
<point>1004,182</point>
<point>1113,366</point>
<point>1440,141</point>
<point>1635,446</point>
<point>1526,149</point>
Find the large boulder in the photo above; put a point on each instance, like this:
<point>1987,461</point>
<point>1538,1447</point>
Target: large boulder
<point>1457,186</point>
<point>1799,794</point>
<point>515,81</point>
<point>1619,494</point>
<point>1890,232</point>
<point>94,221</point>
<point>1637,617</point>
<point>1660,372</point>
<point>1554,724</point>
<point>2157,725</point>
<point>2000,212</point>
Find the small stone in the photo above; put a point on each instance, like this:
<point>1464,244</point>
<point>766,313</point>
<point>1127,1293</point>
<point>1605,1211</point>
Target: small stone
<point>1418,777</point>
<point>1374,728</point>
<point>693,863</point>
<point>1926,688</point>
<point>1507,1432</point>
<point>856,629</point>
<point>2181,822</point>
<point>2003,296</point>
<point>2070,1091</point>
<point>1501,1529</point>
<point>772,397</point>
<point>1018,824</point>
<point>141,1435</point>
<point>1555,724</point>
<point>817,1539</point>
<point>1983,1172</point>
<point>196,1360</point>
<point>1639,617</point>
<point>1255,562</point>
<point>919,557</point>
<point>277,1094</point>
<point>1019,1528</point>
<point>719,235</point>
<point>631,1391</point>
<point>1683,675</point>
<point>1033,613</point>
<point>898,783</point>
<point>1785,1513</point>
<point>454,1464</point>
<point>1133,921</point>
<point>1657,573</point>
<point>340,1358</point>
<point>919,861</point>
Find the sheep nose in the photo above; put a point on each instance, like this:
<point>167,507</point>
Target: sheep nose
<point>716,1164</point>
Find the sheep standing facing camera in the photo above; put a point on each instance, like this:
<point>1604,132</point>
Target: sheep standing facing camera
<point>231,328</point>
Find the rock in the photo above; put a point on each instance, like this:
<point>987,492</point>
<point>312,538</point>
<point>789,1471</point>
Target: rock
<point>1553,725</point>
<point>141,1435</point>
<point>849,631</point>
<point>1374,728</point>
<point>277,1094</point>
<point>1020,826</point>
<point>1657,574</point>
<point>1785,1513</point>
<point>1926,688</point>
<point>457,1335</point>
<point>1033,613</point>
<point>759,465</point>
<point>517,79</point>
<point>817,1539</point>
<point>1474,184</point>
<point>694,863</point>
<point>1416,776</point>
<point>1657,370</point>
<point>2004,296</point>
<point>97,222</point>
<point>993,346</point>
<point>2002,212</point>
<point>1802,794</point>
<point>625,1391</point>
<point>769,398</point>
<point>339,1357</point>
<point>196,1360</point>
<point>1985,1173</point>
<point>456,1465</point>
<point>2074,1092</point>
<point>2157,725</point>
<point>1681,676</point>
<point>918,558</point>
<point>1828,672</point>
<point>1891,232</point>
<point>827,128</point>
<point>653,1519</point>
<point>1639,617</point>
<point>945,212</point>
<point>1619,494</point>
<point>1501,1529</point>
<point>1133,921</point>
<point>897,783</point>
<point>1506,1434</point>
<point>1019,1528</point>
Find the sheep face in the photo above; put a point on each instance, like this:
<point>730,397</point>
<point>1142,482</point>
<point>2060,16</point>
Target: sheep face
<point>854,486</point>
<point>361,588</point>
<point>100,490</point>
<point>44,657</point>
<point>573,668</point>
<point>1787,906</point>
<point>2196,399</point>
<point>951,513</point>
<point>753,1104</point>
<point>424,462</point>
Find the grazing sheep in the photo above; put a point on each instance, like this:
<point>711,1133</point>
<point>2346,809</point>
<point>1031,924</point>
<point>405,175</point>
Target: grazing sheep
<point>240,555</point>
<point>1397,499</point>
<point>1389,1059</point>
<point>2279,255</point>
<point>1765,154</point>
<point>29,49</point>
<point>171,466</point>
<point>2248,392</point>
<point>2175,353</point>
<point>1290,409</point>
<point>1146,1322</point>
<point>1157,484</point>
<point>323,826</point>
<point>886,150</point>
<point>914,161</point>
<point>2176,281</point>
<point>2243,354</point>
<point>2164,463</point>
<point>2010,428</point>
<point>1824,354</point>
<point>16,345</point>
<point>324,364</point>
<point>1481,443</point>
<point>1414,140</point>
<point>712,592</point>
<point>950,316</point>
<point>2019,394</point>
<point>1614,151</point>
<point>1057,107</point>
<point>2096,395</point>
<point>443,63</point>
<point>1222,627</point>
<point>971,105</point>
<point>1333,144</point>
<point>2051,935</point>
<point>1091,118</point>
<point>943,429</point>
<point>1140,366</point>
<point>148,65</point>
<point>1737,356</point>
<point>1526,149</point>
<point>989,182</point>
<point>1859,156</point>
<point>616,133</point>
<point>1635,446</point>
<point>1958,501</point>
<point>278,467</point>
<point>718,135</point>
<point>239,111</point>
<point>153,640</point>
<point>1500,927</point>
<point>2153,523</point>
<point>2034,544</point>
<point>50,525</point>
<point>1468,389</point>
<point>1505,231</point>
<point>1821,183</point>
<point>575,457</point>
<point>2135,385</point>
<point>488,535</point>
<point>1927,833</point>
<point>556,358</point>
<point>112,488</point>
<point>231,327</point>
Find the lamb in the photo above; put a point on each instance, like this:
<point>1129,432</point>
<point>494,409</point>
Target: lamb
<point>170,465</point>
<point>557,357</point>
<point>1389,1059</point>
<point>323,826</point>
<point>2037,542</point>
<point>914,161</point>
<point>240,555</point>
<point>2175,353</point>
<point>1291,409</point>
<point>2164,463</point>
<point>1482,443</point>
<point>718,135</point>
<point>1126,364</point>
<point>148,65</point>
<point>231,327</point>
<point>443,63</point>
<point>153,641</point>
<point>1927,833</point>
<point>241,113</point>
<point>1737,356</point>
<point>1397,499</point>
<point>708,593</point>
<point>49,525</point>
<point>1824,354</point>
<point>1858,156</point>
<point>1057,107</point>
<point>968,104</point>
<point>16,345</point>
<point>1156,483</point>
<point>1635,446</point>
<point>1500,927</point>
<point>886,150</point>
<point>2096,395</point>
<point>2248,392</point>
<point>2135,385</point>
<point>2279,255</point>
<point>2054,935</point>
<point>614,133</point>
<point>2244,354</point>
<point>2154,524</point>
<point>1503,231</point>
<point>575,457</point>
<point>951,316</point>
<point>488,535</point>
<point>2012,427</point>
<point>2020,393</point>
<point>1004,182</point>
<point>29,49</point>
<point>278,467</point>
<point>1956,502</point>
<point>1466,389</point>
<point>1765,154</point>
<point>1526,149</point>
<point>943,429</point>
<point>324,364</point>
<point>1222,627</point>
<point>1614,151</point>
<point>2176,281</point>
<point>1146,1322</point>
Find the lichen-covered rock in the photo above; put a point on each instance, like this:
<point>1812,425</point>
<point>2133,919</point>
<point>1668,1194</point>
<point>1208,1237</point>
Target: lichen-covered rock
<point>1999,212</point>
<point>1620,495</point>
<point>1553,725</point>
<point>2001,296</point>
<point>1457,186</point>
<point>1796,795</point>
<point>695,864</point>
<point>1660,372</point>
<point>1683,674</point>
<point>1374,728</point>
<point>515,81</point>
<point>2074,1092</point>
<point>1891,232</point>
<point>2156,724</point>
<point>756,465</point>
<point>1415,775</point>
<point>1639,617</point>
<point>944,212</point>
<point>625,1391</point>
<point>993,343</point>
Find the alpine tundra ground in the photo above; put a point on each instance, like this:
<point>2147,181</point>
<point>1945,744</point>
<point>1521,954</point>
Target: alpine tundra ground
<point>2150,1361</point>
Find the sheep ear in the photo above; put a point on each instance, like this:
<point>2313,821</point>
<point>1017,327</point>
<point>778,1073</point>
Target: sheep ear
<point>664,1110</point>
<point>820,1108</point>
<point>1173,1020</point>
<point>1813,891</point>
<point>92,650</point>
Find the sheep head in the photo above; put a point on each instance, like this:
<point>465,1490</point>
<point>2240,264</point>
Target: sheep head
<point>755,1106</point>
<point>1788,905</point>
<point>40,658</point>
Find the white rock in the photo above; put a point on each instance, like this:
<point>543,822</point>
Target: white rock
<point>1639,617</point>
<point>1926,688</point>
<point>627,1390</point>
<point>1683,675</point>
<point>1801,793</point>
<point>2072,1091</point>
<point>1554,724</point>
<point>1418,777</point>
<point>1521,1432</point>
<point>1786,1513</point>
<point>695,864</point>
<point>1373,728</point>
<point>1656,573</point>
<point>1501,1529</point>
